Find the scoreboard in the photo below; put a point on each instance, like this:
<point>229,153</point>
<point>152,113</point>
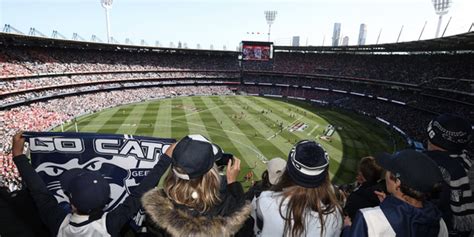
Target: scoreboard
<point>257,51</point>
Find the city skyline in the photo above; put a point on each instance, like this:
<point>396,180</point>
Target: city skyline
<point>362,34</point>
<point>336,34</point>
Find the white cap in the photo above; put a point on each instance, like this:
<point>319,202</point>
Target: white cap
<point>275,167</point>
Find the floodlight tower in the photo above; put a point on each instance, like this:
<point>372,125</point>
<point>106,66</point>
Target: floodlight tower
<point>441,8</point>
<point>270,17</point>
<point>107,5</point>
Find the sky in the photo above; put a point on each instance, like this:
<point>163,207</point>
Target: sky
<point>227,22</point>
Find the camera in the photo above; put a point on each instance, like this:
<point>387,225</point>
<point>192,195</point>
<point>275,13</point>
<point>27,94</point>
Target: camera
<point>224,159</point>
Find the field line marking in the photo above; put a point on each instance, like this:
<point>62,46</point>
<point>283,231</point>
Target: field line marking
<point>315,127</point>
<point>208,127</point>
<point>260,156</point>
<point>197,112</point>
<point>202,125</point>
<point>274,135</point>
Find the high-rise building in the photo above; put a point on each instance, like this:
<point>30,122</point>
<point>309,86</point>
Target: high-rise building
<point>336,34</point>
<point>345,41</point>
<point>362,34</point>
<point>296,41</point>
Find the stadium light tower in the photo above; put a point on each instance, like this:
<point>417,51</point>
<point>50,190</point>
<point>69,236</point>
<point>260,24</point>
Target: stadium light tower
<point>107,5</point>
<point>441,8</point>
<point>270,17</point>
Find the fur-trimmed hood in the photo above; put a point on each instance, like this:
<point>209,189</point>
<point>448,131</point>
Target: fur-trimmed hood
<point>178,222</point>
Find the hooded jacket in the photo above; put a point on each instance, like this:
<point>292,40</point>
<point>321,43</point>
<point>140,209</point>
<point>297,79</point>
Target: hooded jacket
<point>170,219</point>
<point>403,220</point>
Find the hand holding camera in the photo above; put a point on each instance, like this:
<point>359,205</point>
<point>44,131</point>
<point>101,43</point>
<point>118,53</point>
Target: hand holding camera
<point>233,170</point>
<point>224,160</point>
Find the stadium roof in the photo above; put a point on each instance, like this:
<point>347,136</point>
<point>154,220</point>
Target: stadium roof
<point>456,43</point>
<point>9,39</point>
<point>462,42</point>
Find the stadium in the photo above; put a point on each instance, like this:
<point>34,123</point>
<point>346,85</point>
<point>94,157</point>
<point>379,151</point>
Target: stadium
<point>355,100</point>
<point>57,76</point>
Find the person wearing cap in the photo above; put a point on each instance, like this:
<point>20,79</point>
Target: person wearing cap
<point>303,201</point>
<point>368,177</point>
<point>448,137</point>
<point>88,193</point>
<point>411,177</point>
<point>275,168</point>
<point>191,202</point>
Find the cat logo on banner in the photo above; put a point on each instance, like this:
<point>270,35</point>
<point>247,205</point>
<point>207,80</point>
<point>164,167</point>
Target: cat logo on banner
<point>124,160</point>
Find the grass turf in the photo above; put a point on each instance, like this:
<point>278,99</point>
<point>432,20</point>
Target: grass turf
<point>249,127</point>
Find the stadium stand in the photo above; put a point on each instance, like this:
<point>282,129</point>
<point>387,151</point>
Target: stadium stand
<point>387,101</point>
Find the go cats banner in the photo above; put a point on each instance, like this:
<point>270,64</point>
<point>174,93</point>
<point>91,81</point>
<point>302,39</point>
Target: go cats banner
<point>124,160</point>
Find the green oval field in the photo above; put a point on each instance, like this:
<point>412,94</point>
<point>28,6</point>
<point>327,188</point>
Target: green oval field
<point>254,129</point>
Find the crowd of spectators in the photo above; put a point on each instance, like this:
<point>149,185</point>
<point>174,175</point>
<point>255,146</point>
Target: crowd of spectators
<point>464,85</point>
<point>124,83</point>
<point>413,69</point>
<point>32,61</point>
<point>23,84</point>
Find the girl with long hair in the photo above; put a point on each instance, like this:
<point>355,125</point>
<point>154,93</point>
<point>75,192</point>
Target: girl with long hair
<point>303,202</point>
<point>194,200</point>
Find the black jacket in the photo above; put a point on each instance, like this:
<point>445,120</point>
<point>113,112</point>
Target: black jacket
<point>361,198</point>
<point>19,215</point>
<point>256,190</point>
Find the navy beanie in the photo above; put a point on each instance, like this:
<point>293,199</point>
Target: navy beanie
<point>308,164</point>
<point>450,132</point>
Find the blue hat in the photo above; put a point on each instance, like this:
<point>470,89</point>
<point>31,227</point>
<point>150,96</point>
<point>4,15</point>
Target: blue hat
<point>87,190</point>
<point>194,155</point>
<point>308,164</point>
<point>414,169</point>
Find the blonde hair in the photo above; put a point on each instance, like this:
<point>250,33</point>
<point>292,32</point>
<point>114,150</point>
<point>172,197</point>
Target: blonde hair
<point>206,187</point>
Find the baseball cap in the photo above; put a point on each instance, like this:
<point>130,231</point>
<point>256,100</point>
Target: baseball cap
<point>415,169</point>
<point>87,190</point>
<point>308,164</point>
<point>275,168</point>
<point>450,132</point>
<point>194,155</point>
